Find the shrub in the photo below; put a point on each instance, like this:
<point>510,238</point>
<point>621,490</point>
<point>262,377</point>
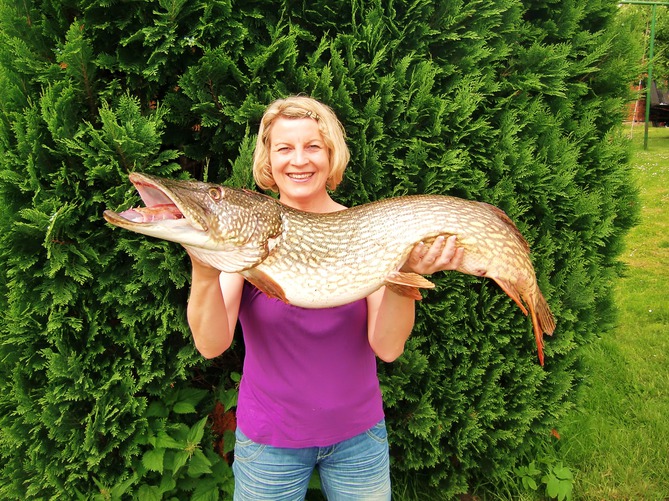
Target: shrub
<point>515,103</point>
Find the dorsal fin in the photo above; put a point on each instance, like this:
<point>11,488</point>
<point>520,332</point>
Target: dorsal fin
<point>509,222</point>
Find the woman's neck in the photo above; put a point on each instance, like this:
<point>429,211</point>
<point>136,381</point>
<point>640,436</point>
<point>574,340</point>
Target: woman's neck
<point>321,204</point>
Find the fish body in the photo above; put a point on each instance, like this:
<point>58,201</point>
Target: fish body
<point>322,260</point>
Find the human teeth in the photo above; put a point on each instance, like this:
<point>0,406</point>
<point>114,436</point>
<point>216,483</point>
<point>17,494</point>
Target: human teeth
<point>299,176</point>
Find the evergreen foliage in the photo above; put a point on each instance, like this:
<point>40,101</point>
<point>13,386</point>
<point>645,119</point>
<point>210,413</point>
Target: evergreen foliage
<point>638,19</point>
<point>102,395</point>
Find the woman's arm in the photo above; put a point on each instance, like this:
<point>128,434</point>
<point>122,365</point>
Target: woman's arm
<point>213,307</point>
<point>391,317</point>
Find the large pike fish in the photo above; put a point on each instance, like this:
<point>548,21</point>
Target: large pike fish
<point>323,260</point>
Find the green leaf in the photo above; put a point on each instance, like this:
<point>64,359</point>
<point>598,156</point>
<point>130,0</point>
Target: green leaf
<point>149,493</point>
<point>196,433</point>
<point>180,459</point>
<point>153,459</point>
<point>229,440</point>
<point>552,485</point>
<point>532,469</point>
<point>184,408</point>
<point>157,409</point>
<point>206,490</point>
<point>167,483</point>
<point>563,473</point>
<point>164,440</point>
<point>199,464</point>
<point>118,490</point>
<point>529,483</point>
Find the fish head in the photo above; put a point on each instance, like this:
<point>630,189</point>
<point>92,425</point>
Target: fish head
<point>228,228</point>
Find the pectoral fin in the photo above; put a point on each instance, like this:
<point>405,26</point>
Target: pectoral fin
<point>231,258</point>
<point>407,284</point>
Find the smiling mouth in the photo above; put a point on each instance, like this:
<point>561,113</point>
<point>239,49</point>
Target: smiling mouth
<point>300,176</point>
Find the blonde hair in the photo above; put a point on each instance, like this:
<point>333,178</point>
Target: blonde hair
<point>328,125</point>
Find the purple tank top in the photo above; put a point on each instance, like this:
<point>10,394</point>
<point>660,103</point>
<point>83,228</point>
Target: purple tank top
<point>309,376</point>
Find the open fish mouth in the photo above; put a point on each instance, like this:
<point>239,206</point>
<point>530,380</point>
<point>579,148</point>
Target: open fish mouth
<point>161,216</point>
<point>159,206</point>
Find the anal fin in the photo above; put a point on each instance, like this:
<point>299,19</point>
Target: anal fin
<point>512,292</point>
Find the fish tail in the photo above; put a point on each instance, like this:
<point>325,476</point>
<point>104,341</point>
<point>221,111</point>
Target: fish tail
<point>544,315</point>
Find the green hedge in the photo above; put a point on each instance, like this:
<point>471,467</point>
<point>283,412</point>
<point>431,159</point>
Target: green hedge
<point>515,103</point>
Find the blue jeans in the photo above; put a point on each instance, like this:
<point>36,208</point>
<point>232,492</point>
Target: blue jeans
<point>353,470</point>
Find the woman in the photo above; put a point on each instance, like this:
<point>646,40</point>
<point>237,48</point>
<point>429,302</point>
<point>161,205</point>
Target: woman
<point>309,395</point>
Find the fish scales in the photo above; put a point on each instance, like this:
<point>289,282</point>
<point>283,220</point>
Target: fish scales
<point>363,245</point>
<point>324,260</point>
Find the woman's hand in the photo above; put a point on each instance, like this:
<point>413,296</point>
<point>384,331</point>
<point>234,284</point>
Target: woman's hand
<point>442,255</point>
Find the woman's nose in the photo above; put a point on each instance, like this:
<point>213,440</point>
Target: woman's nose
<point>299,157</point>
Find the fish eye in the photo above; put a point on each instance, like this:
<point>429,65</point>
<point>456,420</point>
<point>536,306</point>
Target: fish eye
<point>215,194</point>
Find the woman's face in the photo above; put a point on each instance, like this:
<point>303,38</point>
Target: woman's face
<point>300,161</point>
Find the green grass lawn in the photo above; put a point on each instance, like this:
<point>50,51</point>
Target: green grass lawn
<point>617,440</point>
